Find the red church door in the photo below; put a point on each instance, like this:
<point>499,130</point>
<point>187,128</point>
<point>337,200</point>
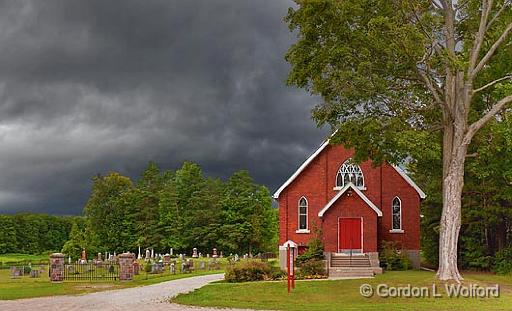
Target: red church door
<point>350,235</point>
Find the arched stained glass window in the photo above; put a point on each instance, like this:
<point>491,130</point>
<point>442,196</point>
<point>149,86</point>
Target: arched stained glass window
<point>397,214</point>
<point>303,214</point>
<point>349,172</point>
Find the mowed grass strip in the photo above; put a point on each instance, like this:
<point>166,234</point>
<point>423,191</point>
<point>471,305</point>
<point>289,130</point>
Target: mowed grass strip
<point>23,257</point>
<point>344,294</point>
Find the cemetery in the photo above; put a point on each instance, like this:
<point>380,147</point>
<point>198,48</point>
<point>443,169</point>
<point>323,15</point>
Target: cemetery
<point>30,276</point>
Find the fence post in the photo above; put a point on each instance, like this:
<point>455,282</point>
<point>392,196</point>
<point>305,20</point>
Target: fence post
<point>126,270</point>
<point>57,267</point>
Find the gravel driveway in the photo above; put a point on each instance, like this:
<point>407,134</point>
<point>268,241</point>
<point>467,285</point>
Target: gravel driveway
<point>151,297</point>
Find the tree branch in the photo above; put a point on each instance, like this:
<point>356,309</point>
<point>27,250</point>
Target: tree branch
<point>430,85</point>
<point>473,128</point>
<point>495,17</point>
<point>479,36</point>
<point>493,49</point>
<point>492,83</point>
<point>437,5</point>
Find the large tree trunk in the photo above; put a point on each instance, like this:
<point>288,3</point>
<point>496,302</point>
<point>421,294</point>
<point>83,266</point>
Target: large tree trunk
<point>458,93</point>
<point>451,219</point>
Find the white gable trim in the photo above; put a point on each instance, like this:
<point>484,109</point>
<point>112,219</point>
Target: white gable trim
<point>300,169</point>
<point>318,151</point>
<point>410,182</point>
<point>342,191</point>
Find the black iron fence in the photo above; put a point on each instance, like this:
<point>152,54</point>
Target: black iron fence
<point>91,272</point>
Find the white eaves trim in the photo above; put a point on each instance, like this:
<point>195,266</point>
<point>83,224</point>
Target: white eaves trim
<point>300,169</point>
<point>342,191</point>
<point>410,181</point>
<point>318,151</point>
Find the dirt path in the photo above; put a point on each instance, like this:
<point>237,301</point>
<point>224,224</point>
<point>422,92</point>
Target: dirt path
<point>151,297</point>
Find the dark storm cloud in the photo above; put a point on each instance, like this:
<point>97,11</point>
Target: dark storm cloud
<point>87,87</point>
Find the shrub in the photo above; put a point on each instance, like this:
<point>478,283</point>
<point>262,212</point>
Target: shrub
<point>26,270</point>
<point>312,269</point>
<point>315,250</point>
<point>147,268</point>
<point>277,274</point>
<point>249,270</point>
<point>392,257</point>
<point>503,261</point>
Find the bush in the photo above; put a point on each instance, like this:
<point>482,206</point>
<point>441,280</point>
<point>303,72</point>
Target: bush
<point>250,270</point>
<point>312,269</point>
<point>27,270</point>
<point>147,268</point>
<point>277,274</point>
<point>503,261</point>
<point>315,251</point>
<point>392,257</point>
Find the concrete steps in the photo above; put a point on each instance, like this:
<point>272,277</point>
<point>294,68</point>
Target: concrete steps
<point>355,266</point>
<point>350,261</point>
<point>351,272</point>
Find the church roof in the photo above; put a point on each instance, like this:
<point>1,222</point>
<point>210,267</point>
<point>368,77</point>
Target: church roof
<point>318,151</point>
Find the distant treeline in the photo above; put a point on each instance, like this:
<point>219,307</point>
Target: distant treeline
<point>179,209</point>
<point>33,233</point>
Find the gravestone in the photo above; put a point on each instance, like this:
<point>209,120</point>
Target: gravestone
<point>34,273</point>
<point>71,269</point>
<point>172,268</point>
<point>148,254</point>
<point>126,270</point>
<point>167,259</point>
<point>194,253</point>
<point>214,253</point>
<point>57,267</point>
<point>136,268</point>
<point>202,265</point>
<point>83,257</point>
<point>157,268</point>
<point>15,272</point>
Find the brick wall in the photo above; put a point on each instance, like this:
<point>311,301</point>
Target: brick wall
<point>316,183</point>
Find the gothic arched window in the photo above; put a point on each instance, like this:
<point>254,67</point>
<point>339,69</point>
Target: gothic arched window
<point>303,214</point>
<point>397,214</point>
<point>349,172</point>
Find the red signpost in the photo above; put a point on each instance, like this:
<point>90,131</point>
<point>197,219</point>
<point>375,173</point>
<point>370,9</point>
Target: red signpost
<point>290,265</point>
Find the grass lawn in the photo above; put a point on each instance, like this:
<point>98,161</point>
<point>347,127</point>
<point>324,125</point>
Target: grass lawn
<point>27,287</point>
<point>344,294</point>
<point>23,257</point>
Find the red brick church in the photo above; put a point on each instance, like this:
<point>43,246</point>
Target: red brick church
<point>356,207</point>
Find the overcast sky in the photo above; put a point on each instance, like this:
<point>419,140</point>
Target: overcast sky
<point>88,87</point>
